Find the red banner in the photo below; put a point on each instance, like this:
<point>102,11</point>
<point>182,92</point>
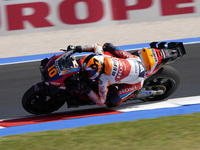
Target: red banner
<point>22,16</point>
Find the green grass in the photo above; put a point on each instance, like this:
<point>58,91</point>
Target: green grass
<point>165,133</point>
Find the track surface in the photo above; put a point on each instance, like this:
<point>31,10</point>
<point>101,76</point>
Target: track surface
<point>15,79</point>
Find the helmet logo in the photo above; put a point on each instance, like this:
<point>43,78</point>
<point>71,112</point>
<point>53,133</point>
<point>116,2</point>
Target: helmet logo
<point>95,65</point>
<point>91,66</point>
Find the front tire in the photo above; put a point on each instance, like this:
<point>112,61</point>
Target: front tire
<point>37,102</point>
<point>167,78</point>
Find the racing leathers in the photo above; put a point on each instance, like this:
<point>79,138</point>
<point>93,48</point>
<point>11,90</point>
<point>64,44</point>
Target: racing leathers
<point>123,68</point>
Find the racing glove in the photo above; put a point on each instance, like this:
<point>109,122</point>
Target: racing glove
<point>74,48</point>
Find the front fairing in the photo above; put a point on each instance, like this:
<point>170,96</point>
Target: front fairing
<point>59,68</point>
<point>66,65</point>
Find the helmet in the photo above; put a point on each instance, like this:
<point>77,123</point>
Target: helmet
<point>92,66</point>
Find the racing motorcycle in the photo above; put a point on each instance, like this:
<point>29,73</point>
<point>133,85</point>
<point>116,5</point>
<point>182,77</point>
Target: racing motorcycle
<point>62,75</point>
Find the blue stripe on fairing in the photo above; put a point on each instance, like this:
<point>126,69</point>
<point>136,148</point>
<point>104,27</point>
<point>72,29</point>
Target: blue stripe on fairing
<point>121,96</point>
<point>80,122</point>
<point>11,60</point>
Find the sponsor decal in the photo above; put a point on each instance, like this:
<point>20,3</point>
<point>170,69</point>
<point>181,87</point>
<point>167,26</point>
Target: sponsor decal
<point>54,15</point>
<point>166,53</point>
<point>57,66</point>
<point>163,53</point>
<point>136,68</point>
<point>120,70</point>
<point>124,69</point>
<point>154,56</point>
<point>128,89</point>
<point>114,70</point>
<point>123,54</point>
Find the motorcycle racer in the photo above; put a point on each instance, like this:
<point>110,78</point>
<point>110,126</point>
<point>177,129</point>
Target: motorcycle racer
<point>122,68</point>
<point>108,77</point>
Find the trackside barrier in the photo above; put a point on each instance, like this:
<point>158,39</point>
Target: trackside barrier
<point>24,16</point>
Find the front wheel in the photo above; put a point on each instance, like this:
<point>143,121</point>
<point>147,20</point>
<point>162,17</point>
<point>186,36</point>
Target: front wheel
<point>37,102</point>
<point>166,79</point>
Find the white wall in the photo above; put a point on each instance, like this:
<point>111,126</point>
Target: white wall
<point>24,16</point>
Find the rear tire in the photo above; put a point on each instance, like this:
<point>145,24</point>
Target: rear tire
<point>36,102</point>
<point>167,77</point>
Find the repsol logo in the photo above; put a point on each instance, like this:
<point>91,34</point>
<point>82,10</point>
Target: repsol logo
<point>114,71</point>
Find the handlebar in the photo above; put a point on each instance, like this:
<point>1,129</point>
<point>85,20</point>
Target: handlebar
<point>69,48</point>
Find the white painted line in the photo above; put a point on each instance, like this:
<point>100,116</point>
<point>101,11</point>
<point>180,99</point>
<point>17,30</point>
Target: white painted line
<point>185,100</point>
<point>177,102</point>
<point>164,104</point>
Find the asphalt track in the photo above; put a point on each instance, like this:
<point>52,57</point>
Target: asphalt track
<point>15,79</point>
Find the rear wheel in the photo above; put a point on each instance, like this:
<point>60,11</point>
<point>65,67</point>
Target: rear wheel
<point>166,79</point>
<point>37,102</point>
